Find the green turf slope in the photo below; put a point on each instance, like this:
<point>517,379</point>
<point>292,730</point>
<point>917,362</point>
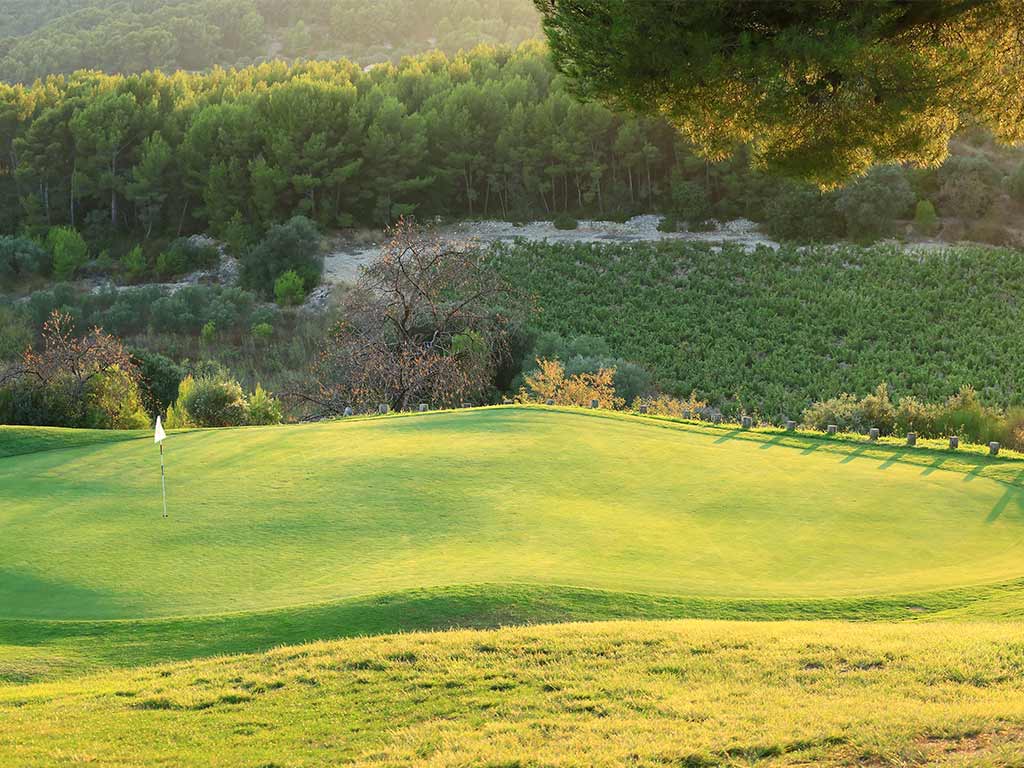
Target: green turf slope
<point>478,519</point>
<point>688,694</point>
<point>278,517</point>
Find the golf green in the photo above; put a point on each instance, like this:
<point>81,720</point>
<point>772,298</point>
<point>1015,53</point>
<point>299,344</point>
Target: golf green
<point>267,518</point>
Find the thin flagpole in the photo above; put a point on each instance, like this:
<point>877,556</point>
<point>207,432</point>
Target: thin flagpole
<point>163,478</point>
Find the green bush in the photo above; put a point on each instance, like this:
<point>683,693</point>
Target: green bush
<point>15,334</point>
<point>262,331</point>
<point>871,205</point>
<point>69,250</point>
<point>160,378</point>
<point>115,402</point>
<point>690,201</point>
<point>669,223</point>
<point>294,246</point>
<point>926,221</point>
<point>208,333</point>
<point>134,263</point>
<point>843,411</point>
<point>21,258</point>
<point>969,187</point>
<point>565,221</point>
<point>186,255</point>
<point>264,409</point>
<point>802,213</point>
<point>215,403</point>
<point>289,289</point>
<point>1015,184</point>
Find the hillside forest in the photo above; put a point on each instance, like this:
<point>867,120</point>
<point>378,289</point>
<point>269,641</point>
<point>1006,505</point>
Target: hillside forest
<point>112,185</point>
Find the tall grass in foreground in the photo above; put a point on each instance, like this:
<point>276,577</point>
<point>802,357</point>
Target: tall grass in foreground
<point>681,694</point>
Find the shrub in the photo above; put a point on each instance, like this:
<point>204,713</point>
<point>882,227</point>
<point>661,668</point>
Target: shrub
<point>989,231</point>
<point>802,213</point>
<point>209,332</point>
<point>877,410</point>
<point>294,246</point>
<point>289,289</point>
<point>134,263</point>
<point>215,403</point>
<point>915,416</point>
<point>663,405</point>
<point>690,201</point>
<point>187,255</point>
<point>843,411</point>
<point>21,258</point>
<point>177,415</point>
<point>871,204</point>
<point>549,382</point>
<point>565,221</point>
<point>263,331</point>
<point>926,221</point>
<point>160,378</point>
<point>1015,184</point>
<point>669,223</point>
<point>115,402</point>
<point>264,408</point>
<point>69,251</point>
<point>15,334</point>
<point>964,415</point>
<point>969,187</point>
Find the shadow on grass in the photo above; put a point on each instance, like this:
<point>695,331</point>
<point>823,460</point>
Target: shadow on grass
<point>1013,493</point>
<point>897,457</point>
<point>934,466</point>
<point>855,454</point>
<point>773,442</point>
<point>730,435</point>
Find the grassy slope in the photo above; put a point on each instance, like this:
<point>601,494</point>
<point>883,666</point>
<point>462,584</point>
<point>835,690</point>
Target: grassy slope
<point>642,694</point>
<point>273,518</point>
<point>516,505</point>
<point>18,441</point>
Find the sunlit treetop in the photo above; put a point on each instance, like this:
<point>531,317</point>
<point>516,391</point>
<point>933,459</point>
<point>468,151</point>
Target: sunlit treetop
<point>818,89</point>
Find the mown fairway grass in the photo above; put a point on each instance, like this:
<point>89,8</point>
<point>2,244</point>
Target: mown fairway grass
<point>478,519</point>
<point>639,694</point>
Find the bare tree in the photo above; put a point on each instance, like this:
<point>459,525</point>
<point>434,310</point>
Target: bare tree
<point>70,363</point>
<point>426,322</point>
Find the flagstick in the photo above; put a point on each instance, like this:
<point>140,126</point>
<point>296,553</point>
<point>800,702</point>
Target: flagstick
<point>163,479</point>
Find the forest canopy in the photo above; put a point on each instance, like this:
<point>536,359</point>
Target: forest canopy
<point>124,36</point>
<point>818,89</point>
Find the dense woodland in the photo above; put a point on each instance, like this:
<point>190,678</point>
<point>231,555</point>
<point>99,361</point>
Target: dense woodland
<point>62,36</point>
<point>490,133</point>
<point>106,176</point>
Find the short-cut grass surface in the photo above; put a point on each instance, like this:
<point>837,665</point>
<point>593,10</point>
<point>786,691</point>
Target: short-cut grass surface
<point>278,517</point>
<point>481,518</point>
<point>689,693</point>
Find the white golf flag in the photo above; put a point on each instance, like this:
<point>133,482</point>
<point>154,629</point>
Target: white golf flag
<point>160,435</point>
